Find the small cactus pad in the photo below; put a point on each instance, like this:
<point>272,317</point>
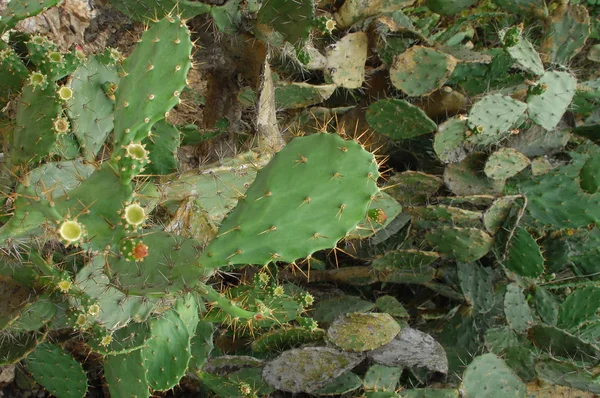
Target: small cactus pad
<point>524,255</point>
<point>492,117</point>
<point>476,282</point>
<point>566,33</point>
<point>126,376</point>
<point>413,187</point>
<point>448,142</point>
<point>420,70</point>
<point>308,369</point>
<point>562,343</point>
<point>522,51</point>
<point>346,61</point>
<point>546,305</point>
<point>334,181</point>
<point>155,75</point>
<point>589,176</point>
<point>517,311</point>
<point>546,109</point>
<point>57,371</point>
<point>382,378</point>
<point>362,332</point>
<point>398,119</point>
<point>285,338</point>
<point>505,163</point>
<point>579,307</point>
<point>556,198</point>
<point>167,353</point>
<point>326,310</point>
<point>467,177</point>
<point>34,136</point>
<point>463,244</point>
<point>489,377</point>
<point>293,19</point>
<point>412,348</point>
<point>90,110</point>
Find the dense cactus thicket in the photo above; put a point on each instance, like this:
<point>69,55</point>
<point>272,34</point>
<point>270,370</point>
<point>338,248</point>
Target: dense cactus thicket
<point>430,227</point>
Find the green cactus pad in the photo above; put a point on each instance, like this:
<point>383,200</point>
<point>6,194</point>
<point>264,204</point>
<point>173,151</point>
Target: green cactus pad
<point>391,305</point>
<point>505,163</point>
<point>57,371</point>
<point>566,33</point>
<point>293,19</point>
<point>578,308</point>
<point>561,343</point>
<point>13,73</point>
<point>524,54</point>
<point>567,374</point>
<point>34,136</point>
<point>334,183</point>
<point>99,214</point>
<point>245,382</point>
<point>346,60</point>
<point>517,311</point>
<point>489,377</point>
<point>144,10</point>
<point>556,198</point>
<point>202,345</point>
<point>383,205</point>
<point>343,384</point>
<point>412,348</point>
<point>448,142</point>
<point>431,393</point>
<point>498,212</point>
<point>420,70</point>
<point>467,177</point>
<point>326,310</point>
<point>116,308</point>
<point>546,305</point>
<point>381,377</point>
<point>301,95</point>
<point>362,332</point>
<point>167,354</point>
<point>413,187</point>
<point>155,75</point>
<point>90,110</point>
<point>168,268</point>
<point>492,117</point>
<point>463,244</point>
<point>230,177</point>
<point>285,338</point>
<point>124,340</point>
<point>35,314</point>
<point>126,376</point>
<point>497,340</point>
<point>398,119</point>
<point>19,346</point>
<point>308,369</point>
<point>589,176</point>
<point>547,108</point>
<point>476,283</point>
<point>19,10</point>
<point>524,255</point>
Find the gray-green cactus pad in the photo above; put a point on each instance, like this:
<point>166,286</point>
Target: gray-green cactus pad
<point>412,348</point>
<point>308,369</point>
